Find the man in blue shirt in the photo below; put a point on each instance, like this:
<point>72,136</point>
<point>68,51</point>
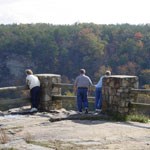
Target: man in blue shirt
<point>98,92</point>
<point>82,85</point>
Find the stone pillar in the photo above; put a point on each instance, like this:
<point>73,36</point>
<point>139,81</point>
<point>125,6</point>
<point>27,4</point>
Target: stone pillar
<point>46,103</point>
<point>116,93</point>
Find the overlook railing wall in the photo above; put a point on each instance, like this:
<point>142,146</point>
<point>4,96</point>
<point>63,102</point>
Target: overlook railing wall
<point>119,94</point>
<point>9,102</point>
<point>136,107</point>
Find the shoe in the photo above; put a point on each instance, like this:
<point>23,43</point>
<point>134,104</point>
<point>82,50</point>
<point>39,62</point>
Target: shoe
<point>96,113</point>
<point>98,110</point>
<point>86,111</point>
<point>33,110</point>
<point>79,112</point>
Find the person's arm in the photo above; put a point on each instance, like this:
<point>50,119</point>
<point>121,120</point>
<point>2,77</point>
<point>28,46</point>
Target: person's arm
<point>98,82</point>
<point>27,82</point>
<point>90,86</point>
<point>75,87</point>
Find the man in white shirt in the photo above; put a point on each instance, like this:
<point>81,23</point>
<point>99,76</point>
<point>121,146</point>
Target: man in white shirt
<point>33,83</point>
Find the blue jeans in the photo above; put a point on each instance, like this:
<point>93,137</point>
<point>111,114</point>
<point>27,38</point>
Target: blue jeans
<point>98,98</point>
<point>35,96</point>
<point>82,98</point>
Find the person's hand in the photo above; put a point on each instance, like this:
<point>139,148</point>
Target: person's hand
<point>26,86</point>
<point>89,92</point>
<point>75,90</point>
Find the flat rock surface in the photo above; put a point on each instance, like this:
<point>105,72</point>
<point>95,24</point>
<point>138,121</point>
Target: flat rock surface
<point>56,131</point>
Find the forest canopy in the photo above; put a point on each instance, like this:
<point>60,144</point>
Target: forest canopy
<point>64,49</point>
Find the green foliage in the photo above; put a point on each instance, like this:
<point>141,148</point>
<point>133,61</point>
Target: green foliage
<point>138,118</point>
<point>131,117</point>
<point>145,76</point>
<point>64,49</point>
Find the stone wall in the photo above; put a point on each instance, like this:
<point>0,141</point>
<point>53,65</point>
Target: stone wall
<point>47,90</point>
<point>117,93</point>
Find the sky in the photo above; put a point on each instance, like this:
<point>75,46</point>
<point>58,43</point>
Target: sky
<point>60,12</point>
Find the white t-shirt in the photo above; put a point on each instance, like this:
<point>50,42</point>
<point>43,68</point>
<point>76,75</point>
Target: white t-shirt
<point>32,81</point>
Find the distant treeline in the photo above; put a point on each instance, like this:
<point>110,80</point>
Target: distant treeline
<point>64,49</point>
